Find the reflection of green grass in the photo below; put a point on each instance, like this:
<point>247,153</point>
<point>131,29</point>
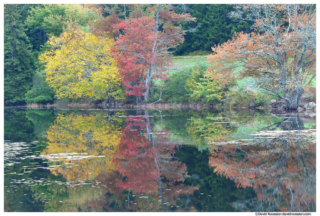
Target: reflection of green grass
<point>309,125</point>
<point>255,124</point>
<point>313,83</point>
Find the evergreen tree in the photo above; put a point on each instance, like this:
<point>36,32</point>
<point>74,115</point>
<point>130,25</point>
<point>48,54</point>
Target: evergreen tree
<point>212,27</point>
<point>18,58</point>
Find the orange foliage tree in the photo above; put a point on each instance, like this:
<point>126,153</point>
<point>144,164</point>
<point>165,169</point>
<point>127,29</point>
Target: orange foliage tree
<point>280,53</point>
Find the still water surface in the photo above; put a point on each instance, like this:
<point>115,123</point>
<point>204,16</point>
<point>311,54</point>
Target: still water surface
<point>174,160</point>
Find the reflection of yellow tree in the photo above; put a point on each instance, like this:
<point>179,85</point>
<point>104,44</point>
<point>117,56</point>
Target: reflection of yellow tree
<point>64,197</point>
<point>204,130</point>
<point>284,166</point>
<point>82,146</point>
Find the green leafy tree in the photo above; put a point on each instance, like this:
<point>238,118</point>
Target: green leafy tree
<point>49,20</point>
<point>202,87</point>
<point>18,59</point>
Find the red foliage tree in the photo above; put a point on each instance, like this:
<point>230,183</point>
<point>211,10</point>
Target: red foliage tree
<point>143,42</point>
<point>133,53</point>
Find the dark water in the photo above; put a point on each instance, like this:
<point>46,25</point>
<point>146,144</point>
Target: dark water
<point>120,160</point>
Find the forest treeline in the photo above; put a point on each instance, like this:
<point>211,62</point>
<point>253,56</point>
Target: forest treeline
<point>87,53</point>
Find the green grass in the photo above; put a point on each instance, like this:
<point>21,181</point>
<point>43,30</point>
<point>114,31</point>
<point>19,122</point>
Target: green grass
<point>189,61</point>
<point>181,62</point>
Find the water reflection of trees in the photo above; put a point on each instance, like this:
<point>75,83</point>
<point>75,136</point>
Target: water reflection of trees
<point>80,146</point>
<point>280,165</point>
<point>133,166</point>
<point>209,129</point>
<point>100,163</point>
<point>149,173</point>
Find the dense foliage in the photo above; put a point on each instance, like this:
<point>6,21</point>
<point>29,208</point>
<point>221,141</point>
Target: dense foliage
<point>41,91</point>
<point>179,87</point>
<point>79,65</point>
<point>47,20</point>
<point>213,26</point>
<point>281,57</point>
<point>103,52</point>
<point>18,59</point>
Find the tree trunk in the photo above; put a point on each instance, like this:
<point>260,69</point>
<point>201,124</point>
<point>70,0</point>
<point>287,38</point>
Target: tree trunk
<point>138,100</point>
<point>148,79</point>
<point>293,99</point>
<point>149,73</point>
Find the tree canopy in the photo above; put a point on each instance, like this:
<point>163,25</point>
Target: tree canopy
<point>280,54</point>
<point>79,65</point>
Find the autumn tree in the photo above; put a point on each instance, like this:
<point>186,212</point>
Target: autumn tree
<point>79,65</point>
<point>200,86</point>
<point>133,53</point>
<point>109,16</point>
<point>280,53</point>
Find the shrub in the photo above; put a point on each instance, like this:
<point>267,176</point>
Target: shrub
<point>40,92</point>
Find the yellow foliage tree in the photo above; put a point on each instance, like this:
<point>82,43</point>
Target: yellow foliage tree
<point>79,65</point>
<point>82,147</point>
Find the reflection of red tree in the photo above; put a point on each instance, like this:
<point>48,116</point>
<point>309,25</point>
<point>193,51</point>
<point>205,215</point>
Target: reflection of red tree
<point>135,158</point>
<point>145,168</point>
<point>285,166</point>
<point>143,159</point>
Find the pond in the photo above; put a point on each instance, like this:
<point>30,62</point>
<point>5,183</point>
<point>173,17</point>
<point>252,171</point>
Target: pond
<point>58,160</point>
